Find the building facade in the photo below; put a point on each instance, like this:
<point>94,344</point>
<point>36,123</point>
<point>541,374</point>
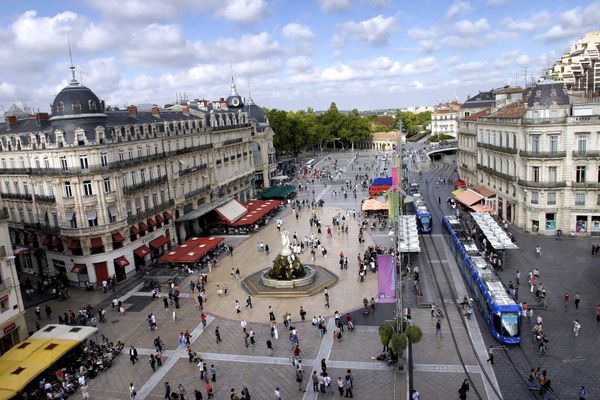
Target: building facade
<point>13,328</point>
<point>444,119</point>
<point>94,192</point>
<point>541,156</point>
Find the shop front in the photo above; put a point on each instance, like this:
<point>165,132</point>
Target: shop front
<point>12,332</point>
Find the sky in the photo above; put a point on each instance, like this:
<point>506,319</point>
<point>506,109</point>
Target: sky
<point>288,54</point>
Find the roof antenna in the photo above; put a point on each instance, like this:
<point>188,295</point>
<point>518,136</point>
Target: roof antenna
<point>233,88</point>
<point>72,67</point>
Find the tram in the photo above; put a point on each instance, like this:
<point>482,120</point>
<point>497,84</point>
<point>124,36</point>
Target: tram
<point>500,311</point>
<point>424,221</point>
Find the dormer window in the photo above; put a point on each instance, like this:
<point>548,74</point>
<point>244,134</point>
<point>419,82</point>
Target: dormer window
<point>76,106</point>
<point>92,105</point>
<point>60,106</point>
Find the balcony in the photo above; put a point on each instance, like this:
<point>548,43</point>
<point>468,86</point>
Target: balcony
<point>496,173</point>
<point>6,285</point>
<point>40,198</point>
<point>89,200</point>
<point>544,121</point>
<point>542,154</point>
<point>506,150</point>
<point>585,185</point>
<point>190,149</point>
<point>586,154</point>
<point>200,190</point>
<point>532,184</point>
<point>231,142</point>
<point>16,196</point>
<point>68,200</point>
<point>192,170</point>
<point>110,197</point>
<point>95,230</point>
<point>144,185</point>
<point>4,215</point>
<point>151,212</point>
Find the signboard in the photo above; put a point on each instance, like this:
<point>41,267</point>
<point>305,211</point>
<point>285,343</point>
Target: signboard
<point>386,272</point>
<point>10,328</point>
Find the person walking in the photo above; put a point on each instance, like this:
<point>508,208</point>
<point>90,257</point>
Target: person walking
<point>277,394</point>
<point>538,251</point>
<point>213,373</point>
<point>577,300</point>
<point>464,388</point>
<point>218,335</point>
<point>269,347</point>
<point>38,312</point>
<point>245,394</point>
<point>302,314</point>
<point>133,355</point>
<point>249,302</point>
<point>132,392</point>
<point>438,328</point>
<point>152,361</point>
<point>48,312</point>
<point>340,386</point>
<point>299,378</point>
<point>415,395</point>
<point>576,327</point>
<point>315,381</point>
<point>237,307</point>
<point>158,357</point>
<point>85,392</point>
<point>582,393</point>
<point>182,392</point>
<point>491,355</point>
<point>167,390</point>
<point>566,298</point>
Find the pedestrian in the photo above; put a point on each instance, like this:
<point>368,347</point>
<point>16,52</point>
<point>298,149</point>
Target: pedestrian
<point>582,393</point>
<point>302,314</point>
<point>182,392</point>
<point>538,251</point>
<point>165,302</point>
<point>152,361</point>
<point>246,336</point>
<point>491,355</point>
<point>251,335</point>
<point>438,328</point>
<point>209,391</point>
<point>38,312</point>
<point>464,388</point>
<point>237,307</point>
<point>598,314</point>
<point>340,386</point>
<point>85,393</point>
<point>415,395</point>
<point>174,316</point>
<point>48,312</point>
<point>518,278</point>
<point>213,373</point>
<point>232,273</point>
<point>133,355</point>
<point>167,390</point>
<point>203,319</point>
<point>132,392</point>
<point>577,300</point>
<point>348,386</point>
<point>299,378</point>
<point>158,356</point>
<point>271,314</point>
<point>269,347</point>
<point>249,302</point>
<point>218,335</point>
<point>566,298</point>
<point>315,381</point>
<point>576,327</point>
<point>243,324</point>
<point>277,394</point>
<point>432,310</point>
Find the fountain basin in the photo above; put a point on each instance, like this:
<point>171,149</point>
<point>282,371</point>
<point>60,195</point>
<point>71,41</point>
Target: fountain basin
<point>306,280</point>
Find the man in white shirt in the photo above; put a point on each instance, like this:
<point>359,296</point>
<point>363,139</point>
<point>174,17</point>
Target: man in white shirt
<point>277,394</point>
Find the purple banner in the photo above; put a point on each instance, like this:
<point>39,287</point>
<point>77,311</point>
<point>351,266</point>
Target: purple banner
<point>386,271</point>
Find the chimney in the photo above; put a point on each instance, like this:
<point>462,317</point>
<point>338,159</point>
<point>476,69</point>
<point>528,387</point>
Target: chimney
<point>40,118</point>
<point>10,120</point>
<point>132,111</point>
<point>155,111</point>
<point>186,110</point>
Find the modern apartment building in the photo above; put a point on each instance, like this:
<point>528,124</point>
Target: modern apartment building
<point>13,328</point>
<point>541,156</point>
<point>93,192</point>
<point>579,68</point>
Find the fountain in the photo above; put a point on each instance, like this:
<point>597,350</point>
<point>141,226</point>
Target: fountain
<point>287,271</point>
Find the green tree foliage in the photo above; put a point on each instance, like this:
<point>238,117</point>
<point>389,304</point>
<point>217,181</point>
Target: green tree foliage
<point>385,334</point>
<point>414,334</point>
<point>413,123</point>
<point>398,343</point>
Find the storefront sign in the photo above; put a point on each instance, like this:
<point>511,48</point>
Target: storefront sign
<point>9,328</point>
<point>58,263</point>
<point>4,298</point>
<point>551,225</point>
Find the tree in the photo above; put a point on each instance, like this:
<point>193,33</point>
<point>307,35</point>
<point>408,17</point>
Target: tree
<point>398,343</point>
<point>414,334</point>
<point>385,334</point>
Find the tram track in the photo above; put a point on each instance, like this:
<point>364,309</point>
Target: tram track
<point>439,213</point>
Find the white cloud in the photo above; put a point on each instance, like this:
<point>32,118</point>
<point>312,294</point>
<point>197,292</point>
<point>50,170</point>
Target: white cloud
<point>7,90</point>
<point>377,3</point>
<point>143,11</point>
<point>469,28</point>
<point>574,22</point>
<point>334,5</point>
<point>299,63</point>
<point>468,67</point>
<point>423,34</point>
<point>534,23</point>
<point>375,31</point>
<point>523,59</point>
<point>498,2</point>
<point>159,45</point>
<point>458,8</point>
<point>244,48</point>
<point>244,11</point>
<point>297,31</point>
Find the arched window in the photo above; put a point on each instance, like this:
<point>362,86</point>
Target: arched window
<point>60,106</point>
<point>76,105</point>
<point>92,105</point>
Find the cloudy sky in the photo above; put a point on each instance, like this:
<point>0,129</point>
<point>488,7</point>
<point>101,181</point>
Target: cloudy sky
<point>361,54</point>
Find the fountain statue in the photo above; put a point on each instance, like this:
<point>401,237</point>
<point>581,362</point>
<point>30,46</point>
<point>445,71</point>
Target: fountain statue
<point>285,244</point>
<point>286,265</point>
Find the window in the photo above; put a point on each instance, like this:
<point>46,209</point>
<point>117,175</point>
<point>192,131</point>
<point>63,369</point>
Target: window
<point>50,189</point>
<point>6,187</point>
<point>143,175</point>
<point>535,197</point>
<point>63,163</point>
<point>154,199</point>
<point>36,162</point>
<point>46,162</point>
<point>580,198</point>
<point>68,190</point>
<point>553,144</point>
<point>124,179</point>
<point>535,143</point>
<point>104,159</point>
<point>146,203</point>
<point>72,220</point>
<point>130,151</point>
<point>121,155</point>
<point>4,306</point>
<point>551,198</point>
<point>92,218</point>
<point>552,174</point>
<point>139,151</point>
<point>16,186</point>
<point>162,196</point>
<point>580,173</point>
<point>92,105</point>
<point>598,199</point>
<point>83,162</point>
<point>535,174</point>
<point>25,188</point>
<point>87,188</point>
<point>599,174</point>
<point>133,180</point>
<point>60,106</point>
<point>581,143</point>
<point>112,214</point>
<point>76,105</point>
<point>107,188</point>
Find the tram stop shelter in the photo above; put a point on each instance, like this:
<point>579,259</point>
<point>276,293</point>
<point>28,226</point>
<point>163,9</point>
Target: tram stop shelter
<point>408,235</point>
<point>495,235</point>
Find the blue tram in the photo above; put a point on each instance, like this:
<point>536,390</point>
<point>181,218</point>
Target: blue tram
<point>424,221</point>
<point>500,311</point>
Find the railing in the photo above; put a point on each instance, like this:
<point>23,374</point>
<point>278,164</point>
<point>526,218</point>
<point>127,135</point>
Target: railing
<point>198,191</point>
<point>585,154</point>
<point>496,173</point>
<point>144,185</point>
<point>542,154</point>
<point>507,150</point>
<point>40,198</point>
<point>96,230</point>
<point>90,199</point>
<point>190,149</point>
<point>16,196</point>
<point>5,285</point>
<point>584,185</point>
<point>151,212</point>
<point>192,170</point>
<point>232,141</point>
<point>4,215</point>
<point>14,171</point>
<point>546,184</point>
<point>543,121</point>
<point>39,227</point>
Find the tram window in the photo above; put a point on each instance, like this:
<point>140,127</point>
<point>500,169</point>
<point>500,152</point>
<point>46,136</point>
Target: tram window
<point>510,324</point>
<point>498,325</point>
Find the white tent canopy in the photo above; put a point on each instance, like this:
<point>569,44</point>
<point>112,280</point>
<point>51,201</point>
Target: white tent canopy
<point>497,237</point>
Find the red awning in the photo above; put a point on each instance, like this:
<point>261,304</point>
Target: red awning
<point>256,210</point>
<point>122,262</point>
<point>134,230</point>
<point>56,242</point>
<point>142,251</point>
<point>459,183</point>
<point>158,219</point>
<point>96,243</point>
<point>143,227</point>
<point>167,215</point>
<point>151,222</point>
<point>117,237</point>
<point>47,240</point>
<point>30,237</point>
<point>159,242</point>
<point>75,244</point>
<point>192,250</point>
<point>79,268</point>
